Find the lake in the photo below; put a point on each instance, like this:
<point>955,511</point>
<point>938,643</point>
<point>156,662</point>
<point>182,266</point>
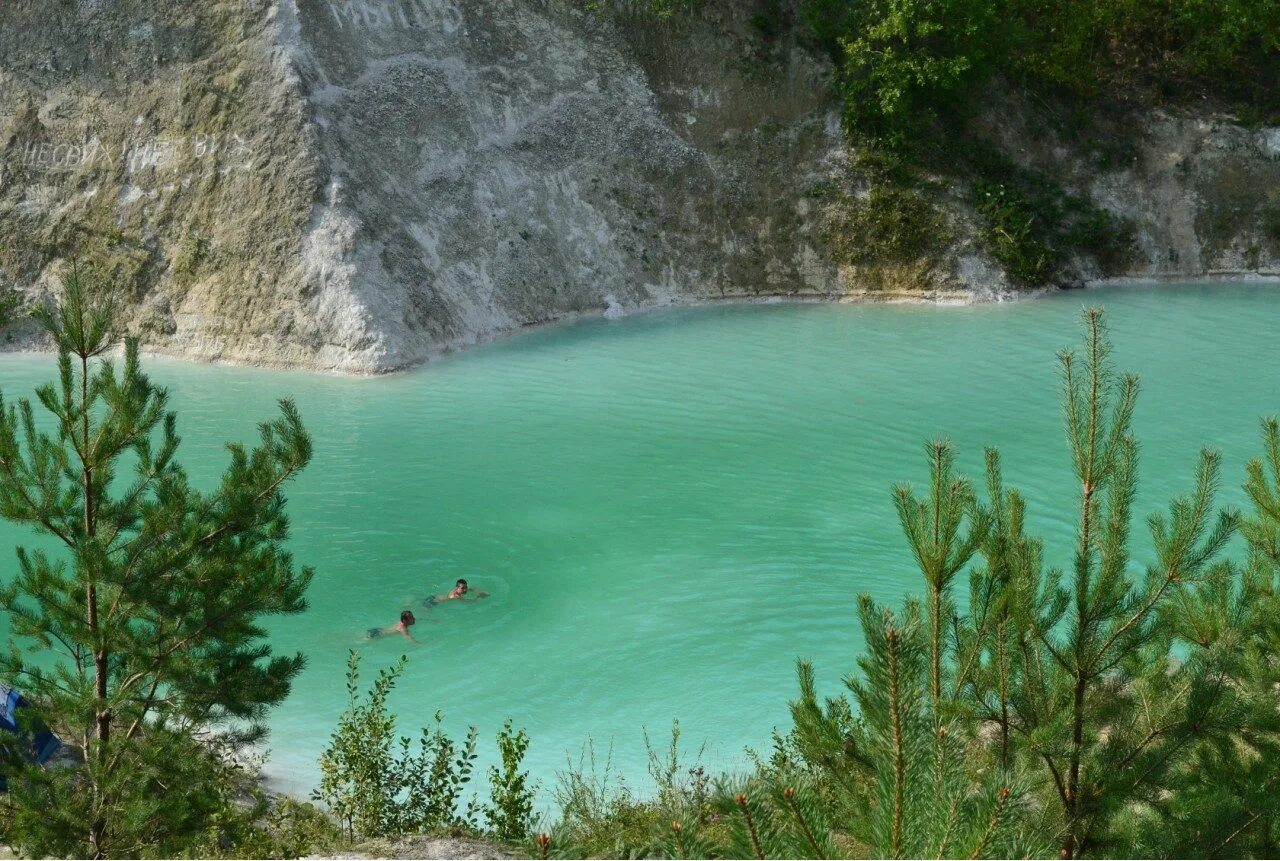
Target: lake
<point>669,509</point>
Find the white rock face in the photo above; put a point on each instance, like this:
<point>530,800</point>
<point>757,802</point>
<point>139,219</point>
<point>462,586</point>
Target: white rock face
<point>359,184</point>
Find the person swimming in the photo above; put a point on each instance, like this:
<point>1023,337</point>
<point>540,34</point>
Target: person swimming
<point>402,627</point>
<point>459,593</point>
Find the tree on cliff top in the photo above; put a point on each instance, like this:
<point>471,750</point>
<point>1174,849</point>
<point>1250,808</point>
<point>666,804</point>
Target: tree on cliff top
<point>140,608</point>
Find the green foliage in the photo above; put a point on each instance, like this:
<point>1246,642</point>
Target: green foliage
<point>906,775</point>
<point>912,73</point>
<point>829,22</point>
<point>679,789</point>
<point>943,531</point>
<point>357,777</point>
<point>1032,225</point>
<point>911,67</point>
<point>10,302</point>
<point>375,793</point>
<point>1170,49</point>
<point>1097,693</point>
<point>167,798</point>
<point>192,255</point>
<point>908,65</point>
<point>1220,800</point>
<point>282,828</point>
<point>924,803</point>
<point>136,625</point>
<point>893,223</point>
<point>434,779</point>
<point>1015,233</point>
<point>600,816</point>
<point>509,815</point>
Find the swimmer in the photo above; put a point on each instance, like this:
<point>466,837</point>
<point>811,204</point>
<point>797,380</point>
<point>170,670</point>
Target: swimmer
<point>402,627</point>
<point>459,593</point>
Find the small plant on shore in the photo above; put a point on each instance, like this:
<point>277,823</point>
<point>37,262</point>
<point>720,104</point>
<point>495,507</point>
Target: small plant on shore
<point>681,788</point>
<point>434,779</point>
<point>358,783</point>
<point>375,793</point>
<point>509,815</point>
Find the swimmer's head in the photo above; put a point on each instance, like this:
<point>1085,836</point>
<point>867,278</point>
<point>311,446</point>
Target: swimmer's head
<point>407,618</point>
<point>460,587</point>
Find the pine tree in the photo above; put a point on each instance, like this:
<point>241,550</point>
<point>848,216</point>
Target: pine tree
<point>1128,708</point>
<point>143,625</point>
<point>933,530</point>
<point>1221,801</point>
<point>908,779</point>
<point>1079,671</point>
<point>927,803</point>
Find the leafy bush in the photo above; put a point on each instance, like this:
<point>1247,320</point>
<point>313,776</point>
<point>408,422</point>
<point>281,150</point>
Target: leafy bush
<point>374,793</point>
<point>1015,233</point>
<point>509,815</point>
<point>909,64</point>
<point>1032,224</point>
<point>433,781</point>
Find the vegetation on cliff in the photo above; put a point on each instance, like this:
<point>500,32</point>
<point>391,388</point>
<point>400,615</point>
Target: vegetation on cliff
<point>923,82</point>
<point>914,75</point>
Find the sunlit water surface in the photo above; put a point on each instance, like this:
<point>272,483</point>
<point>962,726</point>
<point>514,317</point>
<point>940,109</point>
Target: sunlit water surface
<point>667,510</point>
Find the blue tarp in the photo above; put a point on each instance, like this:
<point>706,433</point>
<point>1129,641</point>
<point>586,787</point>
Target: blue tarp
<point>43,743</point>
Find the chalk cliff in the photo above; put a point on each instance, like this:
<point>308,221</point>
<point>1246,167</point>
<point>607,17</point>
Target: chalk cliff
<point>357,184</point>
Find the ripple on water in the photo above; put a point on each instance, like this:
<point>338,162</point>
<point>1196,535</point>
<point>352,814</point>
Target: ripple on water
<point>668,510</point>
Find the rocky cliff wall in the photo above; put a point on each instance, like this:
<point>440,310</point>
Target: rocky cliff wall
<point>357,184</point>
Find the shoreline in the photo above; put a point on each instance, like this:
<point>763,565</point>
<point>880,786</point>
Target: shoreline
<point>956,298</point>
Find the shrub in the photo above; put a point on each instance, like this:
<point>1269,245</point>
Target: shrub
<point>509,815</point>
<point>1015,233</point>
<point>374,793</point>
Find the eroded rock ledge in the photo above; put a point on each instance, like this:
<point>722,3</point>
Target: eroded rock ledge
<point>358,184</point>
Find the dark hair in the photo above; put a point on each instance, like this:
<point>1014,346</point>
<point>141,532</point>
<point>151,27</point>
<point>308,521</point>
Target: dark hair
<point>407,617</point>
<point>460,582</point>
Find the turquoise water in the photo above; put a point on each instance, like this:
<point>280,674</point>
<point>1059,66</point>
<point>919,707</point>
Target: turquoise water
<point>669,509</point>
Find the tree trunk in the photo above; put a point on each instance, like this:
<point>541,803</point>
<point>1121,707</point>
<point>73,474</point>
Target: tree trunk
<point>102,715</point>
<point>935,610</point>
<point>1070,844</point>
<point>899,752</point>
<point>1001,662</point>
